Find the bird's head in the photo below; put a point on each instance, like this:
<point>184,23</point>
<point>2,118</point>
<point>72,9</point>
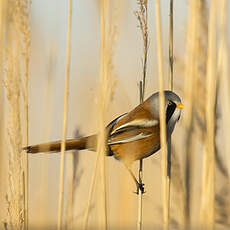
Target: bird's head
<point>173,106</point>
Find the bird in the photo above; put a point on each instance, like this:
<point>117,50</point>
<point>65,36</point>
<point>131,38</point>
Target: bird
<point>131,136</point>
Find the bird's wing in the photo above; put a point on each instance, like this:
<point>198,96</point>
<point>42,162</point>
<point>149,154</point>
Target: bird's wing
<point>127,136</point>
<point>136,125</point>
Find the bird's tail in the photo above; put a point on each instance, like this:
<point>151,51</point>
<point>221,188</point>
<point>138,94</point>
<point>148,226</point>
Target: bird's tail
<point>71,144</point>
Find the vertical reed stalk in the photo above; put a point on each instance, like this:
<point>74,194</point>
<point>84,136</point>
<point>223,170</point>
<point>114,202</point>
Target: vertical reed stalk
<point>142,17</point>
<point>140,179</point>
<point>91,189</point>
<point>191,73</point>
<point>207,202</point>
<point>165,176</point>
<point>26,102</point>
<point>105,94</point>
<point>73,181</point>
<point>171,55</point>
<point>104,87</point>
<point>66,94</point>
<point>223,73</point>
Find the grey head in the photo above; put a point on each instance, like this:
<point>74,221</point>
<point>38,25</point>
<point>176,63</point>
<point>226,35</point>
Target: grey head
<point>173,108</point>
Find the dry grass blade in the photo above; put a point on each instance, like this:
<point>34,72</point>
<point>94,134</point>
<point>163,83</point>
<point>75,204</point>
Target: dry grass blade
<point>66,92</point>
<point>165,176</point>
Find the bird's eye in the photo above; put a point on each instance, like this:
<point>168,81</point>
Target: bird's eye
<point>169,103</point>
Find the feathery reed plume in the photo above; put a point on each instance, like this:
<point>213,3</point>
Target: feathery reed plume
<point>164,151</point>
<point>207,199</point>
<point>66,93</point>
<point>17,64</point>
<point>142,17</point>
<point>15,196</point>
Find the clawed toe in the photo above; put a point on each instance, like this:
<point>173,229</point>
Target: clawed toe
<point>140,187</point>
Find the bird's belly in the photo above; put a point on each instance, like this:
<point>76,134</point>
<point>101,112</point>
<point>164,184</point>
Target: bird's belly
<point>136,150</point>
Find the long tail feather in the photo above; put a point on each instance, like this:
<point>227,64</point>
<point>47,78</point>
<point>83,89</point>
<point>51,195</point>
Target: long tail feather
<point>76,143</point>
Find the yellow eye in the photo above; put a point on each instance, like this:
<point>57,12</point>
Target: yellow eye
<point>169,103</point>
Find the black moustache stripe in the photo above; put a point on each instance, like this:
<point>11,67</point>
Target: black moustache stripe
<point>169,112</point>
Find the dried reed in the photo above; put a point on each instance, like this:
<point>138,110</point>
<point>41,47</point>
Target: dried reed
<point>3,167</point>
<point>17,65</point>
<point>223,72</point>
<point>222,188</point>
<point>195,71</point>
<point>26,39</point>
<point>73,181</point>
<point>169,149</point>
<point>106,87</point>
<point>207,201</point>
<point>164,151</point>
<point>142,17</point>
<point>15,203</point>
<point>188,97</point>
<point>171,55</point>
<point>66,94</point>
<point>103,106</point>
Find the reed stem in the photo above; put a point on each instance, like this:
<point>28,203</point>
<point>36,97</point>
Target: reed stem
<point>171,57</point>
<point>207,202</point>
<point>66,96</point>
<point>164,148</point>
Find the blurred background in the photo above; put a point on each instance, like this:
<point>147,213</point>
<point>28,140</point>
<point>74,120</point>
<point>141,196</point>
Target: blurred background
<point>48,34</point>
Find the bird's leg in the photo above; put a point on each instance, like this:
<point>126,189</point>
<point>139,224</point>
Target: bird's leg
<point>140,186</point>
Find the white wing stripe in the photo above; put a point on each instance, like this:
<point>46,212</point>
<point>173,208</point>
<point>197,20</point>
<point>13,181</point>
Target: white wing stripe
<point>144,123</point>
<point>130,139</point>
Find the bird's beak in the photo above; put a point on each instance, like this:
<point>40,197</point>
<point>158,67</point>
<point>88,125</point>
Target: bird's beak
<point>180,106</point>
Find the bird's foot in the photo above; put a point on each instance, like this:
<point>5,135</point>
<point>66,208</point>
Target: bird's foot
<point>140,187</point>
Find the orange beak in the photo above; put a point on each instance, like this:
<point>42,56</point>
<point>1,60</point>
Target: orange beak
<point>180,106</point>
